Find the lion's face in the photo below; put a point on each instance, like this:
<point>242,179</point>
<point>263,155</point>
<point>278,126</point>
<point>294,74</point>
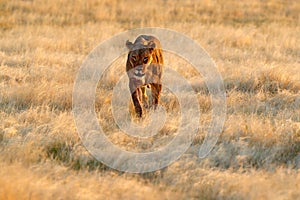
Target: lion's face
<point>140,61</point>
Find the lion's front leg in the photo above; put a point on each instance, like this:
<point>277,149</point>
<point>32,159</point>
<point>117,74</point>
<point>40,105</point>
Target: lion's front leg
<point>137,96</point>
<point>155,90</point>
<point>144,97</point>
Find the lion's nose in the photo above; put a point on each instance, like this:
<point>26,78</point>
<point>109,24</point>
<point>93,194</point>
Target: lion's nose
<point>139,71</point>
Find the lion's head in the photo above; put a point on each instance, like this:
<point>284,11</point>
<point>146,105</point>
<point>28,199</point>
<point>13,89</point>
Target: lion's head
<point>141,55</point>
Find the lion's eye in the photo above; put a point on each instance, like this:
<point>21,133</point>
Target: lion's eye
<point>133,58</point>
<point>145,60</point>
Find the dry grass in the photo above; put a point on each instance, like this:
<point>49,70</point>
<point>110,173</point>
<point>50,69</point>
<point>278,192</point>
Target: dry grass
<point>256,48</point>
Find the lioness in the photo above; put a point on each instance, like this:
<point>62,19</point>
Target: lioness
<point>144,69</point>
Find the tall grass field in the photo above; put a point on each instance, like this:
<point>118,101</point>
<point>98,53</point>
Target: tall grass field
<point>256,47</point>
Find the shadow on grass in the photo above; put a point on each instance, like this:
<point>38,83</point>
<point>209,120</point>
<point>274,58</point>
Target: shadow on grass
<point>64,154</point>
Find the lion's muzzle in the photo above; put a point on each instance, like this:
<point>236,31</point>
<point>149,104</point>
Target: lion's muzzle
<point>139,72</point>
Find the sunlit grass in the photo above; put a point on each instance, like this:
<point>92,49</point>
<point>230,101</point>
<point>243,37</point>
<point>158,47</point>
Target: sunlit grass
<point>256,48</point>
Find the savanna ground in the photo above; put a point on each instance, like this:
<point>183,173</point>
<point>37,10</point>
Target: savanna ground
<point>255,45</point>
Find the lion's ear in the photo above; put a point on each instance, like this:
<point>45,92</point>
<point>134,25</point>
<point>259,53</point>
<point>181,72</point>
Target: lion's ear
<point>151,45</point>
<point>129,45</point>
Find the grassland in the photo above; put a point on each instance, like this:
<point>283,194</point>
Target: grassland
<point>255,45</point>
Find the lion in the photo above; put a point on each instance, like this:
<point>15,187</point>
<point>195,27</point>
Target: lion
<point>144,70</point>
